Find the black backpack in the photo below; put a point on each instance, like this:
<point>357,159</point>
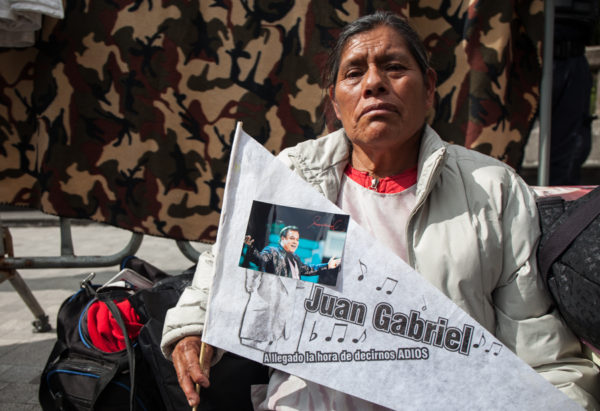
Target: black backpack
<point>79,376</point>
<point>569,260</point>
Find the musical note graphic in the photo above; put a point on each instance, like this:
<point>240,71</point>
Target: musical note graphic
<point>481,342</point>
<point>313,334</point>
<point>392,285</point>
<point>341,326</point>
<point>362,337</point>
<point>424,308</point>
<point>494,344</point>
<point>363,270</point>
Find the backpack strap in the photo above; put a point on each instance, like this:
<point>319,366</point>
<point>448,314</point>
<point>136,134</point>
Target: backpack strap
<point>568,230</point>
<point>130,354</point>
<point>48,400</point>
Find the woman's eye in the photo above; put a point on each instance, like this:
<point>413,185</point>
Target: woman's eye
<point>353,74</point>
<point>395,67</point>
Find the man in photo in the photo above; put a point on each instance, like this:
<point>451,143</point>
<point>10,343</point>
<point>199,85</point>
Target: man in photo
<point>282,259</point>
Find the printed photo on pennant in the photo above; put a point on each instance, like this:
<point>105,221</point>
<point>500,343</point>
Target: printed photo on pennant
<point>295,243</point>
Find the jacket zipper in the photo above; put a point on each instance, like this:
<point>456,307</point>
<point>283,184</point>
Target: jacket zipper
<point>428,186</point>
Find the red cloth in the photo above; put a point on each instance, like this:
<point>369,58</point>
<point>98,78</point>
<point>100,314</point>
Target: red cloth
<point>104,331</point>
<point>387,185</point>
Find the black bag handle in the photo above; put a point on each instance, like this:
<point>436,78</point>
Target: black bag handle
<point>130,354</point>
<point>557,242</point>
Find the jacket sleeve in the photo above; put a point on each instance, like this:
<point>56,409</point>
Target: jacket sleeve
<point>261,258</point>
<point>526,320</point>
<point>187,317</point>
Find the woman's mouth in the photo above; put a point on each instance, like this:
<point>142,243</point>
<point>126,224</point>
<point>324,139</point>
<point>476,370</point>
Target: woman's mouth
<point>379,108</point>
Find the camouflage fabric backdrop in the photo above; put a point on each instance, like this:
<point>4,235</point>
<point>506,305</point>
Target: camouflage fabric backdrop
<point>124,111</point>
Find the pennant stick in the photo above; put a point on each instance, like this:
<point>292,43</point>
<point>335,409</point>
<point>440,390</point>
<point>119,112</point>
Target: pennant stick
<point>204,367</point>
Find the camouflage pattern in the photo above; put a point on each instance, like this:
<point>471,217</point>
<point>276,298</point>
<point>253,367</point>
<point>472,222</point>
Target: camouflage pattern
<point>124,111</point>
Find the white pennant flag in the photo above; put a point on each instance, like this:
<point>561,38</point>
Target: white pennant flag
<point>372,327</point>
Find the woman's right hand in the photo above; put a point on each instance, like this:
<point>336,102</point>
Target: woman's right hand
<point>186,357</point>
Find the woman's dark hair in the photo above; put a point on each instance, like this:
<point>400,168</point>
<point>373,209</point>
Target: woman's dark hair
<point>367,23</point>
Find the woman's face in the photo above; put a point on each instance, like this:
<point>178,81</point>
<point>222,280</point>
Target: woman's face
<point>380,94</point>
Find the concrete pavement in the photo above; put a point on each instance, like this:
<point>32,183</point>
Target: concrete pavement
<point>23,352</point>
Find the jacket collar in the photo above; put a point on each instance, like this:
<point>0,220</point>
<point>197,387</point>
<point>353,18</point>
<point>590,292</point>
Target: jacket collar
<point>432,155</point>
<point>316,160</point>
<point>321,162</point>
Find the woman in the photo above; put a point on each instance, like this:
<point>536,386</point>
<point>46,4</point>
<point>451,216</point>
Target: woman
<point>463,220</point>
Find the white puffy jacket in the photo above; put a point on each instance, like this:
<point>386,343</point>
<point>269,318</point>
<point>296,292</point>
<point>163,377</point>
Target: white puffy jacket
<point>473,234</point>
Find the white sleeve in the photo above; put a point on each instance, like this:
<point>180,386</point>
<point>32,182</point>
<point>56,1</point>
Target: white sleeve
<point>187,317</point>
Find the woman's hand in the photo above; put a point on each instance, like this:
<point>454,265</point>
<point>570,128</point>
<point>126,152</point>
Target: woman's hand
<point>186,357</point>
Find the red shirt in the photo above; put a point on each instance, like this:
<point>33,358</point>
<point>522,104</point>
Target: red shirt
<point>386,185</point>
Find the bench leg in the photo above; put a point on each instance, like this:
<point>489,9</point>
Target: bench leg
<point>41,323</point>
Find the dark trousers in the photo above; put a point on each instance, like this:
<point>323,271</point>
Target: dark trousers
<point>571,132</point>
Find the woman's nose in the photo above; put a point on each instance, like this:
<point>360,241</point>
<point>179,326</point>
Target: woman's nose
<point>374,82</point>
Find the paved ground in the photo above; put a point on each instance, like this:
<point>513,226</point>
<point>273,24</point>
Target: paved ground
<point>23,352</point>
